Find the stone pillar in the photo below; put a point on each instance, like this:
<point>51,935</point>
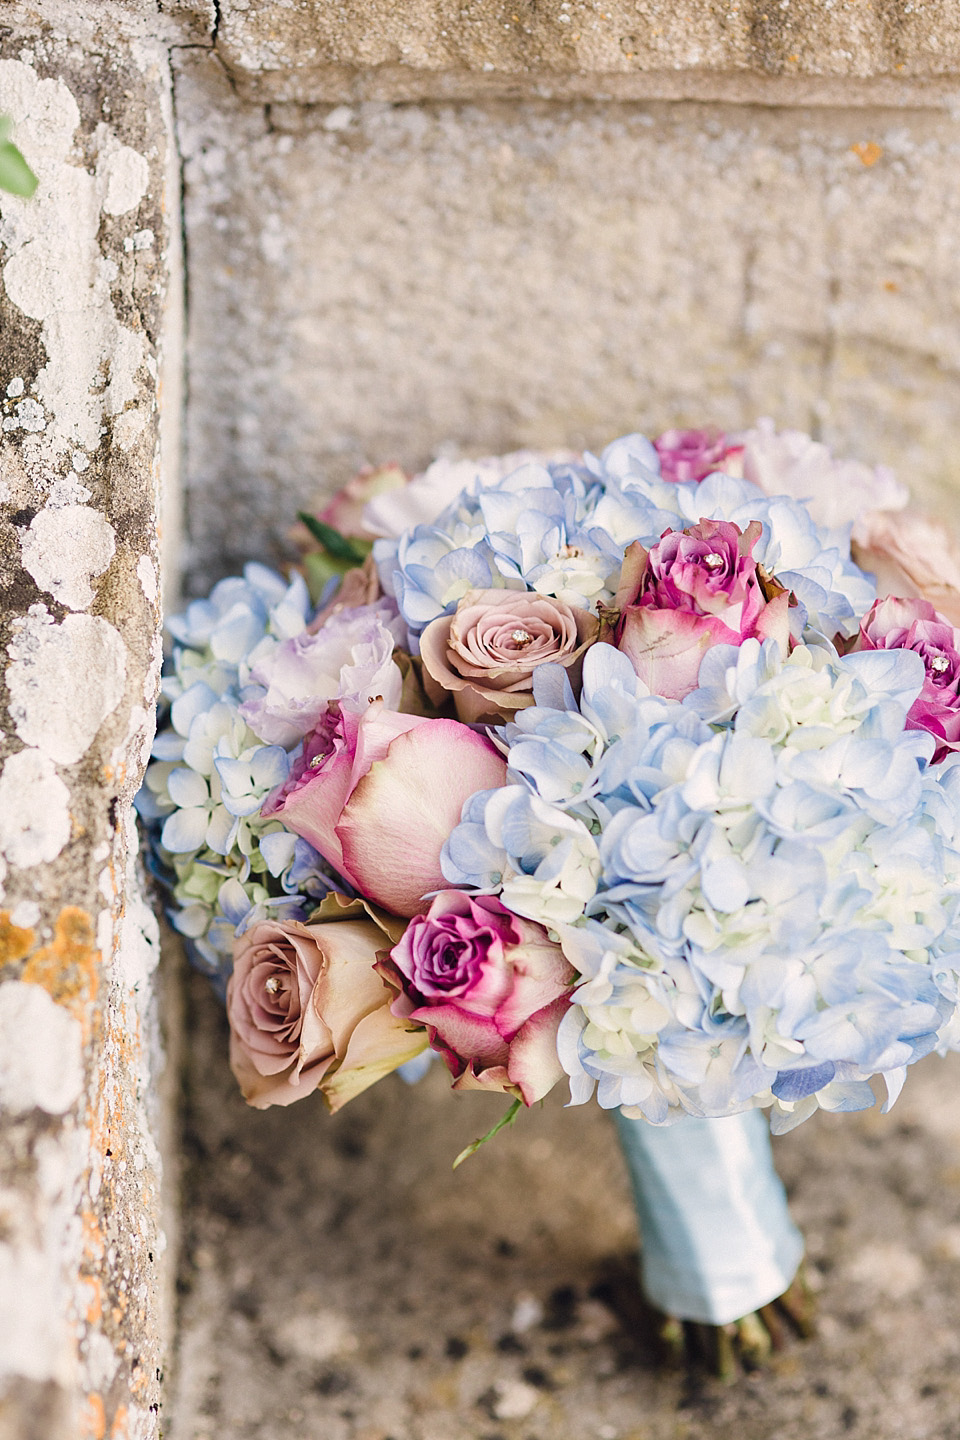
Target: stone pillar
<point>89,386</point>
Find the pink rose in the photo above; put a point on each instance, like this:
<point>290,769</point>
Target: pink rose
<point>696,588</point>
<point>486,653</point>
<point>693,454</point>
<point>345,511</point>
<point>894,624</point>
<point>307,1012</point>
<point>377,794</point>
<point>911,554</point>
<point>491,990</point>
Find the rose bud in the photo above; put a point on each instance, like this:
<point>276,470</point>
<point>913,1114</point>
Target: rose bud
<point>377,794</point>
<point>307,1012</point>
<point>491,990</point>
<point>485,654</point>
<point>895,624</point>
<point>694,589</point>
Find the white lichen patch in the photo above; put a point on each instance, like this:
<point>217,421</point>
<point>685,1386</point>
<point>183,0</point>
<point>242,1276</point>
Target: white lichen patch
<point>55,272</point>
<point>67,490</point>
<point>41,1051</point>
<point>65,548</point>
<point>64,681</point>
<point>147,575</point>
<point>123,176</point>
<point>34,811</point>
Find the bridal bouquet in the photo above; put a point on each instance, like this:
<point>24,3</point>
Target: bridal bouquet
<point>612,767</point>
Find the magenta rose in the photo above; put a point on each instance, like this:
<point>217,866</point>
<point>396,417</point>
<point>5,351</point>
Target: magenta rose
<point>377,794</point>
<point>485,654</point>
<point>693,454</point>
<point>308,1011</point>
<point>491,990</point>
<point>694,589</point>
<point>894,624</point>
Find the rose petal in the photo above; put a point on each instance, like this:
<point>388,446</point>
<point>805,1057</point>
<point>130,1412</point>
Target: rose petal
<point>534,1067</point>
<point>398,818</point>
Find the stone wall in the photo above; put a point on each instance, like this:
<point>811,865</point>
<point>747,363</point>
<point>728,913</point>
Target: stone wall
<point>375,279</point>
<point>88,342</point>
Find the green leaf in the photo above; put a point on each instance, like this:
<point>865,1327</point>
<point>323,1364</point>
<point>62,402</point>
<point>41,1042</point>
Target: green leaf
<point>341,547</point>
<point>318,569</point>
<point>501,1124</point>
<point>15,174</point>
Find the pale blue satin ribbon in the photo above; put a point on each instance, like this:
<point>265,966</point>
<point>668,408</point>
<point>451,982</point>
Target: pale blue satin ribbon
<point>717,1238</point>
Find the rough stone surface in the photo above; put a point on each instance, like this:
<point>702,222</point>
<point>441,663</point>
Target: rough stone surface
<point>341,1281</point>
<point>85,299</point>
<point>372,283</point>
<point>316,51</point>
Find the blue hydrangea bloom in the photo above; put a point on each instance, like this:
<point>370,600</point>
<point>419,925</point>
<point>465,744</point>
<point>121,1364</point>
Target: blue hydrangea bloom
<point>758,887</point>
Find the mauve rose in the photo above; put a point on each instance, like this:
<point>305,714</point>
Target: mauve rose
<point>308,1011</point>
<point>694,589</point>
<point>910,554</point>
<point>693,454</point>
<point>377,794</point>
<point>491,990</point>
<point>895,624</point>
<point>485,654</point>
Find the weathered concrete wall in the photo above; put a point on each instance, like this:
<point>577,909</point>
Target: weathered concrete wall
<point>85,310</point>
<point>379,282</point>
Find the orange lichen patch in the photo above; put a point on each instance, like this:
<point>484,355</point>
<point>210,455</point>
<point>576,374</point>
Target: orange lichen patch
<point>119,1427</point>
<point>15,941</point>
<point>96,1418</point>
<point>67,967</point>
<point>867,152</point>
<point>94,1311</point>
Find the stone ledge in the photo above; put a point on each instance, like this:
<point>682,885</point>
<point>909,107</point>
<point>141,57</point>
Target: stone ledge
<point>627,49</point>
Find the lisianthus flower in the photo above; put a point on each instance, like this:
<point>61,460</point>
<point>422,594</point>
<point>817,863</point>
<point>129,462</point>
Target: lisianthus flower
<point>491,990</point>
<point>694,589</point>
<point>350,659</point>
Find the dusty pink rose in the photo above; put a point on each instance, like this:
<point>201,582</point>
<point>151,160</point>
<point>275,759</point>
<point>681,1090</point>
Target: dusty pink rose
<point>694,589</point>
<point>307,1012</point>
<point>693,454</point>
<point>894,624</point>
<point>491,990</point>
<point>378,793</point>
<point>911,554</point>
<point>486,653</point>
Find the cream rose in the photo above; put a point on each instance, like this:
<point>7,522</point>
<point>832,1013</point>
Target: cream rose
<point>485,654</point>
<point>307,1012</point>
